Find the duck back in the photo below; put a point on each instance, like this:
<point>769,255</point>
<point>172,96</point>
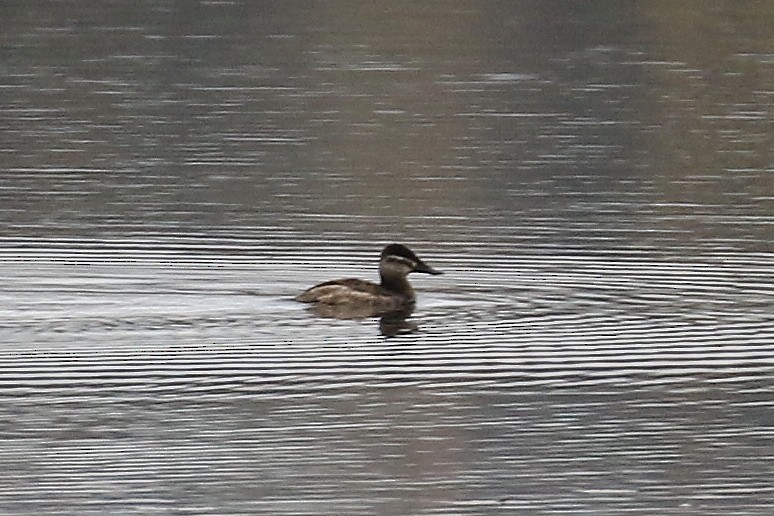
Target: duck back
<point>350,291</point>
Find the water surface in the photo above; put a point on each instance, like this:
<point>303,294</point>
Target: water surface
<point>595,181</point>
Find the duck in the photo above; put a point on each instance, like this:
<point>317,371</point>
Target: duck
<point>364,298</point>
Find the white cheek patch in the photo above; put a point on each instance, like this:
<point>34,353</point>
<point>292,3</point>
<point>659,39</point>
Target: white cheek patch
<point>405,261</point>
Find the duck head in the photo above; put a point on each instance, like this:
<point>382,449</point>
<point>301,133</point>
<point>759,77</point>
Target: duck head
<point>398,261</point>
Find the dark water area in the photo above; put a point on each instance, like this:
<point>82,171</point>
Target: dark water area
<point>595,179</point>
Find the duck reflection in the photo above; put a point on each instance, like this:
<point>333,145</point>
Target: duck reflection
<point>397,323</point>
<point>390,323</point>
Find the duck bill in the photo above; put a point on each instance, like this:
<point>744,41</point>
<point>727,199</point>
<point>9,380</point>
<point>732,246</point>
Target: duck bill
<point>423,267</point>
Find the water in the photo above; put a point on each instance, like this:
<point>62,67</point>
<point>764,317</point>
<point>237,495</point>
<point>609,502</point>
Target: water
<point>594,180</point>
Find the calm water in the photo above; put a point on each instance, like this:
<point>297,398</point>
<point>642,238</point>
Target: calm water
<point>595,180</point>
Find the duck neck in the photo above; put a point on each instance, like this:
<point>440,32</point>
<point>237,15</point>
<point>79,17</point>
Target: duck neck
<point>397,283</point>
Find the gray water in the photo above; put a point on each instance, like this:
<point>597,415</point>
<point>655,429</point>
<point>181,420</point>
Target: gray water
<point>595,180</point>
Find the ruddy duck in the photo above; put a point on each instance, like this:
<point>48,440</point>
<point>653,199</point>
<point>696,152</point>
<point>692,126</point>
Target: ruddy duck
<point>369,299</point>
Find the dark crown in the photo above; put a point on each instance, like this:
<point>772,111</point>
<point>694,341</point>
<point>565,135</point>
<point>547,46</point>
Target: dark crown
<point>399,250</point>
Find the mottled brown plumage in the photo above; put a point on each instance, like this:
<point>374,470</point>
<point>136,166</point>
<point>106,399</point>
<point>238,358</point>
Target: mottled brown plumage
<point>364,298</point>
